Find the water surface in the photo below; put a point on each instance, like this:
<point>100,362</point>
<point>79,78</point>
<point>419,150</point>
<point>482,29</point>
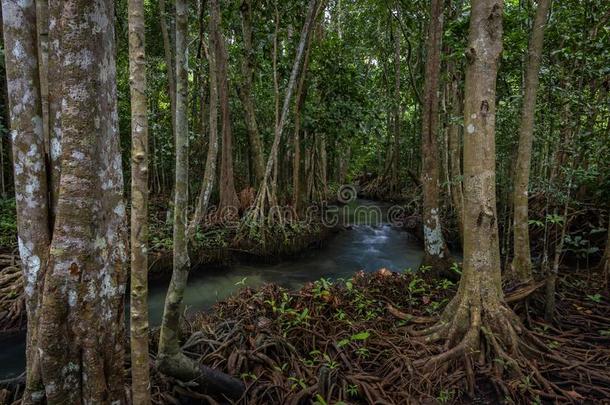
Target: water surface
<point>368,243</point>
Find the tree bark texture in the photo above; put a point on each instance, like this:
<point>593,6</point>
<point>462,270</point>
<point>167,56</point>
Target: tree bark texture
<point>140,374</point>
<point>436,252</point>
<point>521,268</point>
<point>247,68</point>
<point>169,341</point>
<point>76,323</point>
<point>229,202</point>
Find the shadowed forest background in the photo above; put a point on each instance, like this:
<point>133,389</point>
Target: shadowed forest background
<point>378,201</point>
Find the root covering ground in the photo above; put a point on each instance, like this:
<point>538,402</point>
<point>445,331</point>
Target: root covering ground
<point>351,342</point>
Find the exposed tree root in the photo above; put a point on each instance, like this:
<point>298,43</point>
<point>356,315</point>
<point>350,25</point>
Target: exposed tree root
<point>12,298</point>
<point>492,337</point>
<point>348,342</point>
<point>373,339</point>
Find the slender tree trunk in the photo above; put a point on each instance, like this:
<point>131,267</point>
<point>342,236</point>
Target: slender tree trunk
<point>209,175</point>
<point>397,113</point>
<point>169,62</point>
<point>300,101</point>
<point>436,253</point>
<point>169,343</point>
<point>521,266</point>
<point>455,148</point>
<point>229,202</point>
<point>604,265</point>
<point>140,375</point>
<point>24,104</point>
<point>247,68</point>
<point>170,358</point>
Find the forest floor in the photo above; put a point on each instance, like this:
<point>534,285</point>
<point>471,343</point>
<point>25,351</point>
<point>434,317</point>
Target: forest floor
<point>348,342</point>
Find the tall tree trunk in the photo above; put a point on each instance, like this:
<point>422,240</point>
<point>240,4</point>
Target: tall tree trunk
<point>521,268</point>
<point>436,253</point>
<point>169,62</point>
<point>300,101</point>
<point>140,375</point>
<point>229,202</point>
<point>170,358</point>
<point>247,68</point>
<point>76,324</point>
<point>396,113</point>
<point>478,314</point>
<point>455,147</point>
<point>169,344</point>
<point>24,104</point>
<point>209,175</point>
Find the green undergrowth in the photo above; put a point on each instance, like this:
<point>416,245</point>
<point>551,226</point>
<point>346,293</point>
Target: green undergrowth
<point>8,224</point>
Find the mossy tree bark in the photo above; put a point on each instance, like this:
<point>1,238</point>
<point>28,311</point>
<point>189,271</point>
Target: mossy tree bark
<point>140,374</point>
<point>169,341</point>
<point>436,253</point>
<point>75,276</point>
<point>521,268</point>
<point>55,92</point>
<point>30,177</point>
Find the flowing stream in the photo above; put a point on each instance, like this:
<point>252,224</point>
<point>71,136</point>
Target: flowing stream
<point>368,243</point>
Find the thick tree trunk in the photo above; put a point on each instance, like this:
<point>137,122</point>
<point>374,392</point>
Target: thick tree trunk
<point>209,175</point>
<point>169,341</point>
<point>140,375</point>
<point>42,28</point>
<point>75,353</point>
<point>229,203</point>
<point>481,274</point>
<point>20,43</point>
<point>436,253</point>
<point>521,268</point>
<point>247,68</point>
<point>478,313</point>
